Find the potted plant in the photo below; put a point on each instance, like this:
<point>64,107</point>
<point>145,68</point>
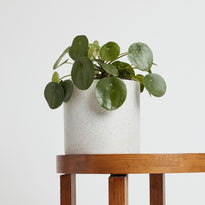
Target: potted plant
<point>101,95</point>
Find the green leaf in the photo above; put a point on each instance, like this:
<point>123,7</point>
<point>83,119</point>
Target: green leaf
<point>56,65</point>
<point>141,87</point>
<point>55,77</point>
<point>67,86</point>
<point>93,50</point>
<point>83,73</point>
<point>111,92</point>
<point>124,69</point>
<point>127,73</point>
<point>155,84</point>
<point>140,55</point>
<point>110,51</point>
<point>64,62</point>
<point>140,78</point>
<point>122,65</point>
<point>54,95</point>
<point>79,47</point>
<point>111,69</point>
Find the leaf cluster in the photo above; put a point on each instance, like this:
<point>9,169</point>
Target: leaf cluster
<point>91,61</point>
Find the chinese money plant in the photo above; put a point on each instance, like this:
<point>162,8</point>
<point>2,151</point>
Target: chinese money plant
<point>91,61</point>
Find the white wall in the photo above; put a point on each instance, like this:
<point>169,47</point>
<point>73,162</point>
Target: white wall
<point>34,33</point>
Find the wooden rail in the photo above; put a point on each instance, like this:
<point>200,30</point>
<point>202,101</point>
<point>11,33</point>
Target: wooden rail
<point>131,163</point>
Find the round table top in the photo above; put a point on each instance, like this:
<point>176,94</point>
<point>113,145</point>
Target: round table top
<point>131,163</point>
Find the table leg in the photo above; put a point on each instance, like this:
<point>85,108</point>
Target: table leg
<point>68,189</point>
<point>118,189</point>
<point>157,189</point>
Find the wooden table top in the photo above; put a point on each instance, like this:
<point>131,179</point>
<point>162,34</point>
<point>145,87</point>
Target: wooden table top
<point>131,163</point>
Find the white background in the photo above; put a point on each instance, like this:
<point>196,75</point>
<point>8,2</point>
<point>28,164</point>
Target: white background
<point>33,33</point>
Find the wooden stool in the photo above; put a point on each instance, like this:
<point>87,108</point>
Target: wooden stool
<point>119,166</point>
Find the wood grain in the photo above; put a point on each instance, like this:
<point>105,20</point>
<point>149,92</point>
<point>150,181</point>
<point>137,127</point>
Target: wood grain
<point>157,189</point>
<point>131,163</point>
<point>118,190</point>
<point>68,189</point>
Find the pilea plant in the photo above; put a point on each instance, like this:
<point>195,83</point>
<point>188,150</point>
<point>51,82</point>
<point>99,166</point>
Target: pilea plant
<point>90,61</point>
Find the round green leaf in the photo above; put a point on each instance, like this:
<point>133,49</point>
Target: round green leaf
<point>111,69</point>
<point>140,55</point>
<point>55,77</point>
<point>140,78</point>
<point>110,51</point>
<point>125,69</point>
<point>122,65</point>
<point>79,47</point>
<point>155,84</point>
<point>67,86</point>
<point>54,95</point>
<point>83,73</point>
<point>111,92</point>
<point>141,87</point>
<point>127,73</point>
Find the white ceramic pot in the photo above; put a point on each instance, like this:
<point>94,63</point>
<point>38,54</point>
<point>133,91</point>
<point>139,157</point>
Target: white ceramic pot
<point>90,129</point>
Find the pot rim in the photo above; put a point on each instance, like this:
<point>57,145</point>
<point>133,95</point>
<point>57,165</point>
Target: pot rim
<point>126,80</point>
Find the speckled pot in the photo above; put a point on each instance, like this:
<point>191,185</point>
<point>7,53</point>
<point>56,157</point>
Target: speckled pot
<point>90,129</point>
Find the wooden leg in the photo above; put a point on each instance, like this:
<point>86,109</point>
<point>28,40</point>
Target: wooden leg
<point>118,190</point>
<point>157,189</point>
<point>68,189</point>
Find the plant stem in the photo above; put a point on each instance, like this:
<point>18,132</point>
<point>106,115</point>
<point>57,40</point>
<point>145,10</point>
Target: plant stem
<point>97,67</point>
<point>65,76</point>
<point>125,53</point>
<point>120,56</point>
